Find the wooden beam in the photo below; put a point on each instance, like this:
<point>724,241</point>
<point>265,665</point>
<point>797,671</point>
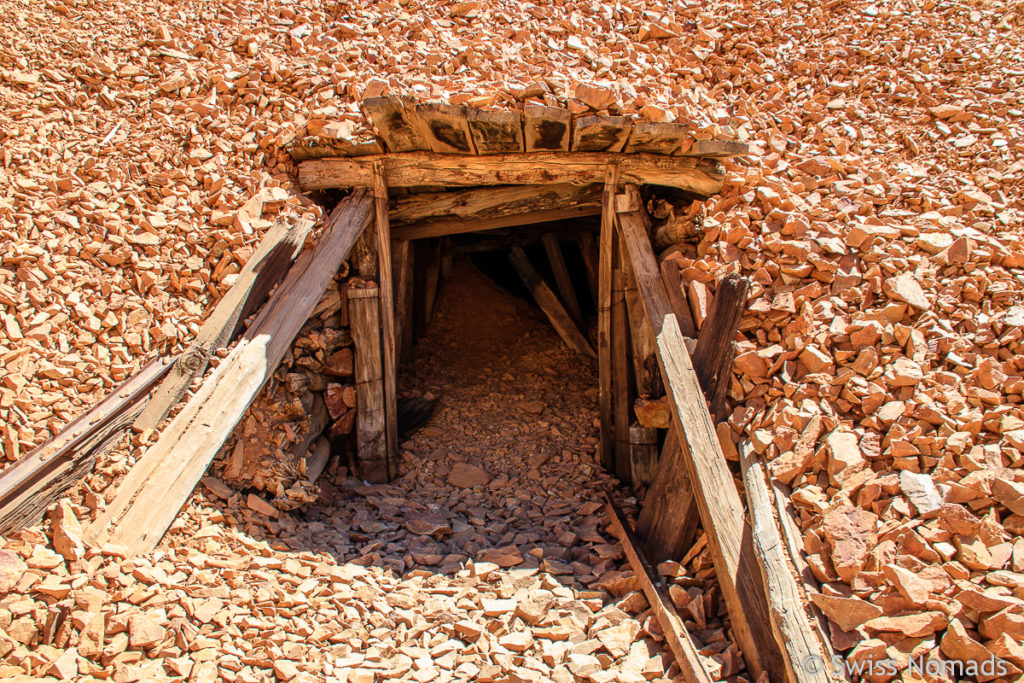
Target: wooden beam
<point>677,297</point>
<point>792,628</point>
<point>718,501</point>
<point>561,273</point>
<point>620,374</point>
<point>651,137</point>
<point>546,129</point>
<point>601,133</point>
<point>39,478</point>
<point>402,265</point>
<point>699,176</point>
<point>496,131</point>
<point>716,149</point>
<point>676,635</point>
<point>716,334</point>
<point>669,516</point>
<point>606,256</point>
<point>387,319</point>
<point>646,373</point>
<point>445,127</point>
<point>643,454</point>
<point>430,267</point>
<point>458,226</point>
<point>395,123</point>
<point>264,269</point>
<point>491,202</point>
<point>371,422</point>
<point>549,304</point>
<point>588,250</point>
<point>161,481</point>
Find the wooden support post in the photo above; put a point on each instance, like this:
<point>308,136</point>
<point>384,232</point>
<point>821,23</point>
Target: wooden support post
<point>669,517</point>
<point>402,260</point>
<point>590,259</point>
<point>645,354</point>
<point>492,202</point>
<point>676,635</point>
<point>432,275</point>
<point>606,254</point>
<point>387,319</point>
<point>561,273</point>
<point>718,500</point>
<point>677,298</point>
<point>549,304</point>
<point>371,439</point>
<point>716,334</point>
<point>643,454</point>
<point>620,376</point>
<point>790,623</point>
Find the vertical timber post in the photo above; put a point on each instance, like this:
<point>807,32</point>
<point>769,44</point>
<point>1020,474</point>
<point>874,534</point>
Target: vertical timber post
<point>620,375</point>
<point>387,318</point>
<point>606,251</point>
<point>371,442</point>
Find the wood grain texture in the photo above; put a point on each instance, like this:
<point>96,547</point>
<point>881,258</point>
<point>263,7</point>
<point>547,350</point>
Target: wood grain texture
<point>459,226</point>
<point>445,127</point>
<point>403,268</point>
<point>491,202</point>
<point>643,454</point>
<point>36,480</point>
<point>677,297</point>
<point>588,250</point>
<point>715,340</point>
<point>387,318</point>
<point>790,623</point>
<point>371,422</point>
<point>718,500</point>
<point>153,492</point>
<point>606,257</point>
<point>650,137</point>
<point>496,131</point>
<point>601,133</point>
<point>669,517</point>
<point>546,129</point>
<point>700,176</point>
<point>621,389</point>
<point>549,304</point>
<point>264,269</point>
<point>676,635</point>
<point>395,123</point>
<point>646,373</point>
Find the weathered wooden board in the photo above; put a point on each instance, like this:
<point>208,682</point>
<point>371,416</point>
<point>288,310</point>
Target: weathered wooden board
<point>151,495</point>
<point>546,129</point>
<point>606,258</point>
<point>601,133</point>
<point>678,638</point>
<point>650,137</point>
<point>445,127</point>
<point>491,202</point>
<point>39,478</point>
<point>396,122</point>
<point>718,500</point>
<point>715,342</point>
<point>371,423</point>
<point>669,517</point>
<point>457,226</point>
<point>700,176</point>
<point>496,131</point>
<point>402,266</point>
<point>549,304</point>
<point>588,250</point>
<point>793,631</point>
<point>643,454</point>
<point>263,270</point>
<point>387,319</point>
<point>677,298</point>
<point>562,279</point>
<point>620,374</point>
<point>318,148</point>
<point>716,149</point>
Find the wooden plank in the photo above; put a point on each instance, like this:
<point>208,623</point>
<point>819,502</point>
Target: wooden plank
<point>444,127</point>
<point>601,133</point>
<point>652,137</point>
<point>549,304</point>
<point>620,375</point>
<point>431,274</point>
<point>371,427</point>
<point>646,373</point>
<point>717,332</point>
<point>677,297</point>
<point>699,176</point>
<point>546,129</point>
<point>402,266</point>
<point>718,501</point>
<point>792,627</point>
<point>588,250</point>
<point>676,635</point>
<point>320,147</point>
<point>491,202</point>
<point>717,399</point>
<point>606,256</point>
<point>395,123</point>
<point>39,478</point>
<point>561,273</point>
<point>264,269</point>
<point>669,516</point>
<point>153,492</point>
<point>716,149</point>
<point>458,226</point>
<point>643,454</point>
<point>387,319</point>
<point>496,131</point>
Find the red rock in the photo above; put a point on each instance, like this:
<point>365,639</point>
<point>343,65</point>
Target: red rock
<point>11,570</point>
<point>905,288</point>
<point>341,363</point>
<point>909,584</point>
<point>851,533</point>
<point>847,613</point>
<point>467,476</point>
<point>958,645</point>
<point>912,625</point>
<point>67,532</point>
